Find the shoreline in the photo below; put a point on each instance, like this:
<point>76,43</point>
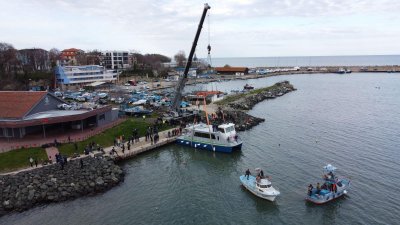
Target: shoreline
<point>302,71</point>
<point>24,190</point>
<point>55,183</point>
<point>236,106</point>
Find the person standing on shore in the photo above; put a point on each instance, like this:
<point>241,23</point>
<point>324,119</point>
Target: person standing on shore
<point>36,162</point>
<point>31,161</point>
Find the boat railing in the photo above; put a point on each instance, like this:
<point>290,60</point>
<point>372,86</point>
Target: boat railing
<point>236,139</point>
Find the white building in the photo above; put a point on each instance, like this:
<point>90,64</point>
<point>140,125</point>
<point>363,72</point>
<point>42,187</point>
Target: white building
<point>116,59</point>
<point>79,75</point>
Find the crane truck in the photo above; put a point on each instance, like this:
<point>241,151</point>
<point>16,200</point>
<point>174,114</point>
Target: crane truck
<point>176,102</point>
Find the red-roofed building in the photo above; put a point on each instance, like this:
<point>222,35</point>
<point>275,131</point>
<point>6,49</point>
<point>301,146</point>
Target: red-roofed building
<point>232,70</point>
<point>69,56</point>
<point>26,112</point>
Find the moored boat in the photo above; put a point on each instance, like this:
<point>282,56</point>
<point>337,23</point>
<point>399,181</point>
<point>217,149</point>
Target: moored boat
<point>137,111</point>
<point>341,71</point>
<point>332,187</point>
<point>222,138</point>
<point>248,87</point>
<point>260,186</point>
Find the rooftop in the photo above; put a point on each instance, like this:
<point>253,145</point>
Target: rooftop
<point>231,69</point>
<point>16,104</point>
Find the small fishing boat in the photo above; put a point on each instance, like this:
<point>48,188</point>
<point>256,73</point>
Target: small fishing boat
<point>248,87</point>
<point>222,138</point>
<point>332,187</point>
<point>341,71</point>
<point>137,111</point>
<point>260,186</point>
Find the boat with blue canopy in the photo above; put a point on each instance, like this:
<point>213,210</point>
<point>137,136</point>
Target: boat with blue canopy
<point>332,187</point>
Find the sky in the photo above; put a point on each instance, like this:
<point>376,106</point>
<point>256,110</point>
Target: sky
<point>234,28</point>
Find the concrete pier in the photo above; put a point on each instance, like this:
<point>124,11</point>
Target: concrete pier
<point>139,147</point>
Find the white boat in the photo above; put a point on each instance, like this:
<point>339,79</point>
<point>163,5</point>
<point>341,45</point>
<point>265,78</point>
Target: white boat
<point>222,138</point>
<point>260,186</point>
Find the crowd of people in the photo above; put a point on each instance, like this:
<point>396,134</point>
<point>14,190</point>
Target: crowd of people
<point>329,185</point>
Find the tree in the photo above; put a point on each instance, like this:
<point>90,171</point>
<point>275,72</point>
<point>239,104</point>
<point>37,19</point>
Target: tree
<point>8,59</point>
<point>94,57</point>
<point>54,55</point>
<point>81,58</point>
<point>180,58</point>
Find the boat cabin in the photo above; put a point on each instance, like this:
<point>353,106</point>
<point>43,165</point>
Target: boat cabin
<point>227,129</point>
<point>223,132</point>
<point>263,183</point>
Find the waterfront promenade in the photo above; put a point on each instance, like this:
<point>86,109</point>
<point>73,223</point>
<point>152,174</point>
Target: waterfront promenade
<point>136,148</point>
<point>65,137</point>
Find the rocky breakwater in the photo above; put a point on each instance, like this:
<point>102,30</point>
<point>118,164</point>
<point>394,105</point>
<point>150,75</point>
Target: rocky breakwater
<point>235,106</point>
<point>248,101</point>
<point>48,184</point>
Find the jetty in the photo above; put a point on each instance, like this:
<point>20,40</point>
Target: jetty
<point>138,147</point>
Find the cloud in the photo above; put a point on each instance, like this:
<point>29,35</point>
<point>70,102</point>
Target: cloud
<point>166,26</point>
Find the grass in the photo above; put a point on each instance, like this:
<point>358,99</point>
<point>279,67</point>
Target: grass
<point>106,138</point>
<point>19,158</point>
<point>231,98</point>
<point>16,159</point>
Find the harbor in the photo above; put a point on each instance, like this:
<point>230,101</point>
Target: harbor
<point>290,147</point>
<point>278,114</point>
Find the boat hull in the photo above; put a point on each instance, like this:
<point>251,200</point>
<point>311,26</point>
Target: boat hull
<point>249,185</point>
<point>209,146</point>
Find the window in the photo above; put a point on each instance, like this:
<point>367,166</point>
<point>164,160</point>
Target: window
<point>204,135</point>
<point>229,129</point>
<point>102,117</point>
<point>221,130</point>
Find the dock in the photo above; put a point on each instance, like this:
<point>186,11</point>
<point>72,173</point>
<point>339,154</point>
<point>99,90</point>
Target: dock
<point>138,147</point>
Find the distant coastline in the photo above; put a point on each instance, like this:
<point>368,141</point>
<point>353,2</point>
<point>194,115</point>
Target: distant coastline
<point>309,61</point>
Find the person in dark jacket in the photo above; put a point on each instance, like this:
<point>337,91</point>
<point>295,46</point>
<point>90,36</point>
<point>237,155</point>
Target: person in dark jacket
<point>247,173</point>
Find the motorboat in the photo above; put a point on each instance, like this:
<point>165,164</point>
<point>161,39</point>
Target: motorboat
<point>260,186</point>
<point>341,71</point>
<point>137,111</point>
<point>222,138</point>
<point>248,87</point>
<point>332,187</point>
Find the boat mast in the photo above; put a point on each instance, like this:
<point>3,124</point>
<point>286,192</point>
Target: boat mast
<point>208,121</point>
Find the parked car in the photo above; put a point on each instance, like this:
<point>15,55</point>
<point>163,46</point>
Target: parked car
<point>64,106</point>
<point>58,94</point>
<point>102,101</point>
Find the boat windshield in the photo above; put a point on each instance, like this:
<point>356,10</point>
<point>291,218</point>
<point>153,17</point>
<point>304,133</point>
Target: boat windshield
<point>229,129</point>
<point>265,186</point>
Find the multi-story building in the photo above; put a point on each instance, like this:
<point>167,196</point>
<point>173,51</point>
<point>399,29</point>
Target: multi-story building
<point>70,56</point>
<point>81,75</point>
<point>116,59</point>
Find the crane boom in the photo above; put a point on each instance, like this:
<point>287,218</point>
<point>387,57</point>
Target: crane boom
<point>182,80</point>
